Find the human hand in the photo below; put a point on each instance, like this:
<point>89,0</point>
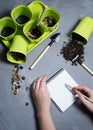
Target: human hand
<point>41,95</point>
<point>86,91</point>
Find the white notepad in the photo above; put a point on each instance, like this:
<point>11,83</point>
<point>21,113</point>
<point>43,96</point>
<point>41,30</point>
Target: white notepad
<point>59,93</point>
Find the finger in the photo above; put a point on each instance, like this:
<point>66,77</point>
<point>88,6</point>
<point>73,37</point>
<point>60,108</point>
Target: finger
<point>82,98</point>
<point>33,89</point>
<point>79,87</point>
<point>34,86</point>
<point>79,95</point>
<point>38,83</point>
<point>83,88</point>
<point>43,81</point>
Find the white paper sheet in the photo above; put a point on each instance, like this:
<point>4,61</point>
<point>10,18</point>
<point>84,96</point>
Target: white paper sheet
<point>60,94</point>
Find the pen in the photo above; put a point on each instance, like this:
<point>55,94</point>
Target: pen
<point>87,98</point>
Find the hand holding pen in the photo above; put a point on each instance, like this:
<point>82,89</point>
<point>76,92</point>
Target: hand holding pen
<point>85,94</point>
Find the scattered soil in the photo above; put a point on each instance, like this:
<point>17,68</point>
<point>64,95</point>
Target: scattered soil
<point>73,51</point>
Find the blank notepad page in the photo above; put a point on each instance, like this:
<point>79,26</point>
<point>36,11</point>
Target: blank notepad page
<point>60,94</point>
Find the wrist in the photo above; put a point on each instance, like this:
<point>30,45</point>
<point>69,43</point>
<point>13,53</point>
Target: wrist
<point>43,113</point>
<point>45,120</point>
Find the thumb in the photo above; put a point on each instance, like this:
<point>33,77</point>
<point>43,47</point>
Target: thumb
<point>88,104</point>
<point>81,97</point>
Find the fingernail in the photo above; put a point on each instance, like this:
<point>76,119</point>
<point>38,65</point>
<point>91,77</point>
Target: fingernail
<point>76,95</point>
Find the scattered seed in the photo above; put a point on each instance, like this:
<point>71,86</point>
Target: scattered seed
<point>26,103</point>
<point>13,87</point>
<point>27,88</point>
<point>16,79</point>
<point>16,91</point>
<point>19,86</point>
<point>23,77</point>
<point>21,67</point>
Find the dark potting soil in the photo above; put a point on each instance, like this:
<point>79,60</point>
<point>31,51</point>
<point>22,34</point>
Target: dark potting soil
<point>22,19</point>
<point>78,38</point>
<point>7,31</point>
<point>73,51</point>
<point>17,56</point>
<point>49,21</point>
<point>34,33</point>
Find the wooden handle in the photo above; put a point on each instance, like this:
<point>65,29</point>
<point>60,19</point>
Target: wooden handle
<point>86,68</point>
<point>39,57</point>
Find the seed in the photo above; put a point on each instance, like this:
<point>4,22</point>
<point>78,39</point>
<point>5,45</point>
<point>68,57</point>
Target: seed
<point>16,66</point>
<point>27,88</point>
<point>19,86</point>
<point>23,77</point>
<point>16,79</point>
<point>13,87</point>
<point>16,91</point>
<point>21,67</point>
<point>26,103</point>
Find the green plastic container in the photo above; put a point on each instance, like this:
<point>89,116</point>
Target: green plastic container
<point>83,30</point>
<point>18,49</point>
<point>7,28</point>
<point>21,15</point>
<point>50,19</point>
<point>32,27</point>
<point>36,7</point>
<point>20,43</point>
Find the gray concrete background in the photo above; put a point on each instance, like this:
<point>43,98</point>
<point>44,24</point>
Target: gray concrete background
<point>14,115</point>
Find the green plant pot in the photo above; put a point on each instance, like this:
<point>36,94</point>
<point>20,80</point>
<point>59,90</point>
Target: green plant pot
<point>18,50</point>
<point>21,15</point>
<point>50,19</point>
<point>7,28</point>
<point>33,32</point>
<point>36,7</point>
<point>83,30</point>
